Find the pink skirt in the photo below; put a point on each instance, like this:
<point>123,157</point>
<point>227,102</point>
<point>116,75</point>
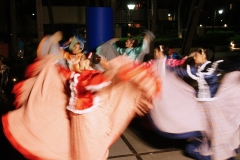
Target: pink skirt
<point>177,111</point>
<point>42,128</point>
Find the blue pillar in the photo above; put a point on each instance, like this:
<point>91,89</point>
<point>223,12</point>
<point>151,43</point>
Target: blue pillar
<point>99,26</point>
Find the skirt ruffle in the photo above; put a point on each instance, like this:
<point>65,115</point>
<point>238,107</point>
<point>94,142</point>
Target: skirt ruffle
<point>42,128</point>
<point>178,114</point>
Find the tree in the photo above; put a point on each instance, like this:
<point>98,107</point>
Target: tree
<point>39,19</point>
<point>179,19</point>
<point>50,14</point>
<point>97,3</point>
<point>214,17</point>
<point>113,5</point>
<point>154,15</point>
<point>13,25</point>
<point>87,3</point>
<point>194,14</point>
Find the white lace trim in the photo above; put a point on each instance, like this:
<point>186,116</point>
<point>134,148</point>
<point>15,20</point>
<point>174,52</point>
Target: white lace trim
<point>73,84</point>
<point>94,88</point>
<point>204,93</point>
<point>96,101</point>
<point>73,98</point>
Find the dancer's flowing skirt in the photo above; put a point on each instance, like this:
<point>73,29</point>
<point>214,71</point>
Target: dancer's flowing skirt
<point>177,114</point>
<point>42,128</point>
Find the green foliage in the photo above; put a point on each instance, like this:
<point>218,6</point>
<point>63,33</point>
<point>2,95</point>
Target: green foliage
<point>235,39</point>
<point>173,42</point>
<point>226,33</point>
<point>218,37</point>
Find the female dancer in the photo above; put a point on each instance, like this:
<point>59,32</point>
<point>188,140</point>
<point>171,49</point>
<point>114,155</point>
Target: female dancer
<point>214,113</point>
<point>73,50</point>
<point>110,50</point>
<point>133,52</point>
<point>55,121</point>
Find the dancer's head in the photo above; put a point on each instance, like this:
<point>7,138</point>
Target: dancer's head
<point>76,45</point>
<point>77,48</point>
<point>170,50</point>
<point>202,55</point>
<point>159,52</point>
<point>130,43</point>
<point>81,63</point>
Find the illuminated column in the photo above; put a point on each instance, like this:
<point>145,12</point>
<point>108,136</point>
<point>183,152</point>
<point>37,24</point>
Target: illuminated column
<point>99,26</point>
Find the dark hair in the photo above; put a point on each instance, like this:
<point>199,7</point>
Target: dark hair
<point>157,47</point>
<point>94,58</point>
<point>81,45</point>
<point>133,41</point>
<point>208,52</point>
<point>189,61</point>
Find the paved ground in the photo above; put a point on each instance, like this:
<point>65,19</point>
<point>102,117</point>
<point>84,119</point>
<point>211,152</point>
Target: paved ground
<point>139,141</point>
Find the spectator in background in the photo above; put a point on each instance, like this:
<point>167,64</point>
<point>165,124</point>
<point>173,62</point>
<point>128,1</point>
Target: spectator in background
<point>160,54</point>
<point>172,54</point>
<point>4,70</point>
<point>20,48</point>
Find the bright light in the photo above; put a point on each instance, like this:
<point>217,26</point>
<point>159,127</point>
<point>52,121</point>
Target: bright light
<point>131,6</point>
<point>225,25</point>
<point>200,25</point>
<point>14,79</point>
<point>221,20</point>
<point>169,15</point>
<point>220,11</point>
<point>232,44</point>
<point>33,14</point>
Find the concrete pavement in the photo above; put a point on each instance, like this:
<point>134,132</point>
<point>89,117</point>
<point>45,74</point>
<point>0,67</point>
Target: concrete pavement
<point>141,143</point>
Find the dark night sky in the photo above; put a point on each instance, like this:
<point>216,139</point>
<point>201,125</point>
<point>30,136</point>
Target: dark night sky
<point>28,7</point>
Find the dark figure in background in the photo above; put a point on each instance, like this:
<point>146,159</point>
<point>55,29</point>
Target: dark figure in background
<point>4,71</point>
<point>20,48</point>
<point>172,54</point>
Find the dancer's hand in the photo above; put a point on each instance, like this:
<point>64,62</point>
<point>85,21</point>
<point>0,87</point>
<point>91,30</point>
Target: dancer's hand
<point>114,40</point>
<point>191,55</point>
<point>143,106</point>
<point>104,62</point>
